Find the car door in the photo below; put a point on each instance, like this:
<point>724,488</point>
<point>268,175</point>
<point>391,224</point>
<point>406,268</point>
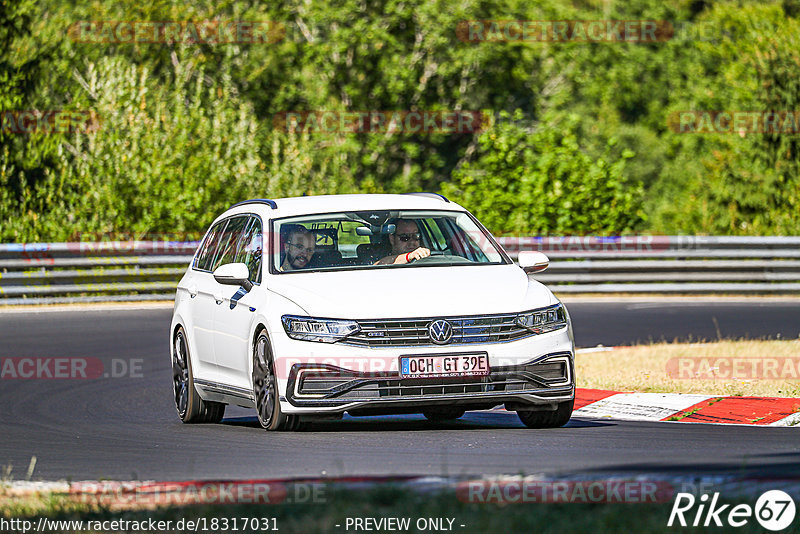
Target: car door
<point>233,317</point>
<point>201,287</point>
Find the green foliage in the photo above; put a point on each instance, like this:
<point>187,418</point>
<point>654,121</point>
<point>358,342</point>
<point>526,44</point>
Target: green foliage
<point>729,183</point>
<point>188,128</point>
<point>167,157</point>
<point>536,180</point>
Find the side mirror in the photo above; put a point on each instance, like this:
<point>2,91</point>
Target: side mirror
<point>234,274</point>
<point>533,262</point>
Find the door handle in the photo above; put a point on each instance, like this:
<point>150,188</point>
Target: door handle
<point>192,291</point>
<point>218,298</point>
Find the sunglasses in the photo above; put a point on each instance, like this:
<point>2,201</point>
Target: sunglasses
<point>408,237</point>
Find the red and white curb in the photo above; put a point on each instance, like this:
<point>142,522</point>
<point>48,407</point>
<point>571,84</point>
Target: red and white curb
<point>684,407</point>
<point>687,408</point>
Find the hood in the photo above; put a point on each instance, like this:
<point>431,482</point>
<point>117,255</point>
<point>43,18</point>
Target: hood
<point>395,292</point>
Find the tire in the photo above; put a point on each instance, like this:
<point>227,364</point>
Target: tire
<point>542,419</point>
<point>442,414</point>
<point>191,408</point>
<point>265,389</point>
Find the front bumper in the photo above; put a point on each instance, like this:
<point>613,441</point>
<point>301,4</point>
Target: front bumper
<point>544,381</point>
<point>367,379</point>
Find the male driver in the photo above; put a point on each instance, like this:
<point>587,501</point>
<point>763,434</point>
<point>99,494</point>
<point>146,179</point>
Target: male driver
<point>298,249</point>
<point>405,244</point>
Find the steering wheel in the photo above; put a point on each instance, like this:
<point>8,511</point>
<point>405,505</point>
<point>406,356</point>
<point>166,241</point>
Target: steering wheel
<point>437,256</point>
<point>432,253</point>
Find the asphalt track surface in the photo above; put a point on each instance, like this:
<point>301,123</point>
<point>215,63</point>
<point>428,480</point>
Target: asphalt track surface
<point>126,428</point>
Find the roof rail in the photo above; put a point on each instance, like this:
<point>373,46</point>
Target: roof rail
<point>268,202</point>
<point>427,194</point>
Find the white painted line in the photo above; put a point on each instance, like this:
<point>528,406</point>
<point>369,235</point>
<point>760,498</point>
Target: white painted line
<point>22,488</point>
<point>640,406</point>
<point>598,348</point>
<point>749,425</point>
<point>93,306</point>
<point>792,420</point>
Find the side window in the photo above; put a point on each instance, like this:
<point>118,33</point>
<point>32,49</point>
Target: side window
<point>208,248</point>
<point>434,234</point>
<point>463,244</point>
<point>226,251</point>
<point>250,247</point>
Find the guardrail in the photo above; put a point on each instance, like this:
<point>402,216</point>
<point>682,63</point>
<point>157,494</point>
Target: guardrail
<point>149,270</point>
<point>42,273</point>
<point>666,264</point>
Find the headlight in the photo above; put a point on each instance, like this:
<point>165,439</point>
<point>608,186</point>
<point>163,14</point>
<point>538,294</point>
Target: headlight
<point>544,320</point>
<point>322,330</point>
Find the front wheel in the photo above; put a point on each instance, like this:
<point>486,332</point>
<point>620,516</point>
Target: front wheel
<point>553,419</point>
<point>191,408</point>
<point>265,389</point>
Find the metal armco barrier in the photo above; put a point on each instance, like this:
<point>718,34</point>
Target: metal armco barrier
<point>149,270</point>
<point>107,271</point>
<point>666,264</point>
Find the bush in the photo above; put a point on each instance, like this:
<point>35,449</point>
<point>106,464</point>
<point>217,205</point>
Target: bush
<point>536,180</point>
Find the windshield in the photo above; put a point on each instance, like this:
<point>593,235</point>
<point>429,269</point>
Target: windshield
<point>381,240</point>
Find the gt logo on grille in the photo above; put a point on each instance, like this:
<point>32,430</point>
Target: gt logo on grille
<point>440,332</point>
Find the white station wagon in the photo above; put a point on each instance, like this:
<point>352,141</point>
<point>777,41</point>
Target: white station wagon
<point>307,308</point>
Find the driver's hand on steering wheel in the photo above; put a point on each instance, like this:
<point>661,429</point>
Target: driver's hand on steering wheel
<point>417,254</point>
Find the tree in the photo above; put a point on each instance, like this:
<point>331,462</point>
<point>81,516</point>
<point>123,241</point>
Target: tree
<point>534,179</point>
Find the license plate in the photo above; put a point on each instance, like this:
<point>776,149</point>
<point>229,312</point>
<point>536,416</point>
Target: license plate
<point>439,366</point>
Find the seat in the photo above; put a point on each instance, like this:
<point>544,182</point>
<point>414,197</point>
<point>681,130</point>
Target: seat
<point>326,258</point>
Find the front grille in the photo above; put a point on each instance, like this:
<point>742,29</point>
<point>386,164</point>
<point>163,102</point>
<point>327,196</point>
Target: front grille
<point>376,389</point>
<point>327,385</point>
<point>404,332</point>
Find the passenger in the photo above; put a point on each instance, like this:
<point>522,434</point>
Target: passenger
<point>298,249</point>
<point>405,244</point>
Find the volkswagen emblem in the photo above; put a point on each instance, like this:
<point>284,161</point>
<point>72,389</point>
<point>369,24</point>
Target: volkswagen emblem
<point>440,332</point>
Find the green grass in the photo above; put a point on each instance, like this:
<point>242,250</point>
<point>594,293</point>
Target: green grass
<point>387,501</point>
<point>659,368</point>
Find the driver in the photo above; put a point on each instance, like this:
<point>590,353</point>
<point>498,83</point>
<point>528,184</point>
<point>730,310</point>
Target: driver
<point>299,249</point>
<point>405,244</point>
